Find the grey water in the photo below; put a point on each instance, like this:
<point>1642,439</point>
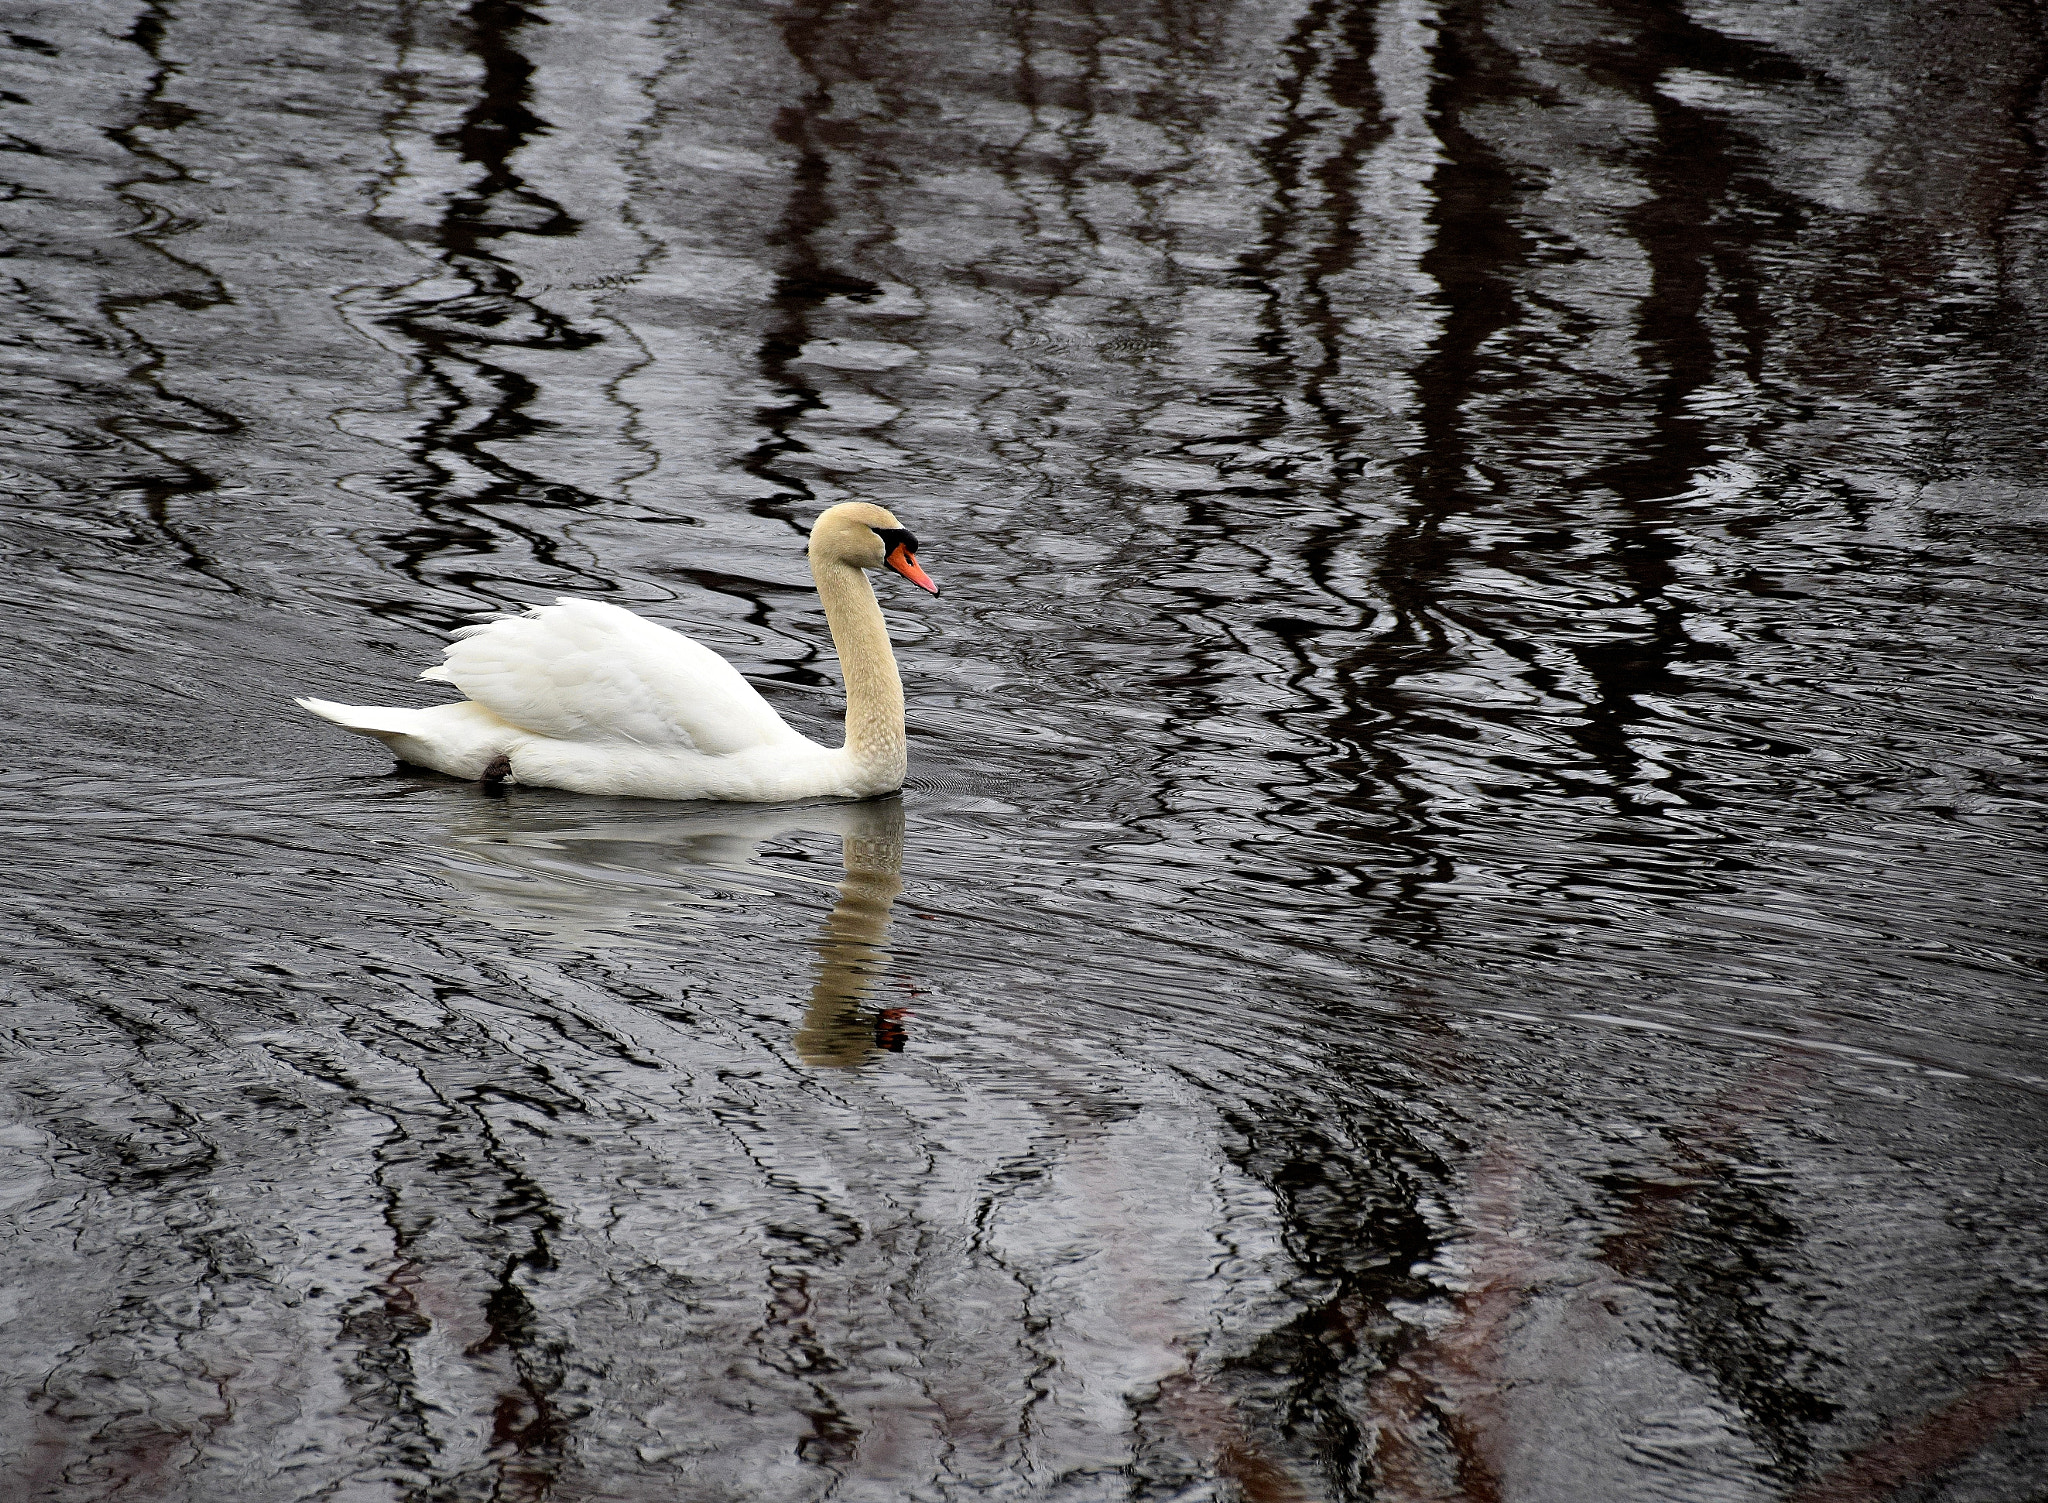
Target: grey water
<point>1467,921</point>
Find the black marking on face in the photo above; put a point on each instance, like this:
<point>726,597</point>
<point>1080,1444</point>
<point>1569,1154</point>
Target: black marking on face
<point>892,536</point>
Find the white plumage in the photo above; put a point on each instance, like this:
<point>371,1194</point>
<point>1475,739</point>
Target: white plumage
<point>589,697</point>
<point>582,670</point>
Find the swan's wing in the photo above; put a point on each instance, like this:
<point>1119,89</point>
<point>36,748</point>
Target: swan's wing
<point>581,670</point>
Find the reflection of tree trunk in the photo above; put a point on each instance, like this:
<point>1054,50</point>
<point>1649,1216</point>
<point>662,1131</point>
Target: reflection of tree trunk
<point>1438,1424</point>
<point>1942,1439</point>
<point>836,1029</point>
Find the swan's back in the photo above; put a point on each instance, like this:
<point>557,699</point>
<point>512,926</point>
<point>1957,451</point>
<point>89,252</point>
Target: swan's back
<point>585,671</point>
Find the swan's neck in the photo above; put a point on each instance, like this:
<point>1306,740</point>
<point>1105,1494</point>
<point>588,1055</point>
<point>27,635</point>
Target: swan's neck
<point>874,694</point>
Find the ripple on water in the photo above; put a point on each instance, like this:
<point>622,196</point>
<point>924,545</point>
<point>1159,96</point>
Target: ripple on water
<point>1465,919</point>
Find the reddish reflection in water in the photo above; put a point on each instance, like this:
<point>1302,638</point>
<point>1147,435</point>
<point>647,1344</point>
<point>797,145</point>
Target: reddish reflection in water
<point>1466,924</point>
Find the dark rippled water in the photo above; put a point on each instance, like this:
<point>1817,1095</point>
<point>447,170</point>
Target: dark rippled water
<point>1467,923</point>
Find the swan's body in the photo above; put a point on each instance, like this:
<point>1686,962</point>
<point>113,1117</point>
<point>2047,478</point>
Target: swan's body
<point>592,698</point>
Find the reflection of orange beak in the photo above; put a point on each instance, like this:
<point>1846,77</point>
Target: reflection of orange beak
<point>904,562</point>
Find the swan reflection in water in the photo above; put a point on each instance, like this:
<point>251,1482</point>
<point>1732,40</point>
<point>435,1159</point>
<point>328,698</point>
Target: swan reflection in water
<point>652,884</point>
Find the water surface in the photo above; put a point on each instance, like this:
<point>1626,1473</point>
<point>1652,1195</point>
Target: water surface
<point>1466,922</point>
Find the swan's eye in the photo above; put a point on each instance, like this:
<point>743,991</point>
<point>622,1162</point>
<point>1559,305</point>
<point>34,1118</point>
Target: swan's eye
<point>899,552</point>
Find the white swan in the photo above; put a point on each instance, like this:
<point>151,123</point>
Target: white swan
<point>592,698</point>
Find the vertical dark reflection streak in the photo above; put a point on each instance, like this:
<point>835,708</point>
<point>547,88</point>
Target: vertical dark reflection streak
<point>450,335</point>
<point>1352,88</point>
<point>426,1161</point>
<point>159,492</point>
<point>638,168</point>
<point>1330,119</point>
<point>1081,150</point>
<point>826,43</point>
<point>1332,45</point>
<point>1707,229</point>
<point>1030,92</point>
<point>1347,1191</point>
<point>377,1331</point>
<point>531,1426</point>
<point>1475,257</point>
<point>2019,229</point>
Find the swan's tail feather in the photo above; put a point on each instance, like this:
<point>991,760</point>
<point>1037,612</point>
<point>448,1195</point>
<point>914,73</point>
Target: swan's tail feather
<point>367,720</point>
<point>461,739</point>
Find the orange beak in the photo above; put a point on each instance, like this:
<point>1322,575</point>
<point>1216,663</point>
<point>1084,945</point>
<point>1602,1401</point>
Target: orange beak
<point>904,562</point>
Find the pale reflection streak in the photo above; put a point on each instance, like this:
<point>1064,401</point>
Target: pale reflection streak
<point>636,883</point>
<point>1491,1399</point>
<point>836,1030</point>
<point>633,883</point>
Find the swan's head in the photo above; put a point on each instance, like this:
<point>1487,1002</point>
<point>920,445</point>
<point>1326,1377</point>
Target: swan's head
<point>867,537</point>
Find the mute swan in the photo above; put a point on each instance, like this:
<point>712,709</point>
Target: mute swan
<point>592,698</point>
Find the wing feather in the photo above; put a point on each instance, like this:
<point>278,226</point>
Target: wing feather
<point>582,670</point>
